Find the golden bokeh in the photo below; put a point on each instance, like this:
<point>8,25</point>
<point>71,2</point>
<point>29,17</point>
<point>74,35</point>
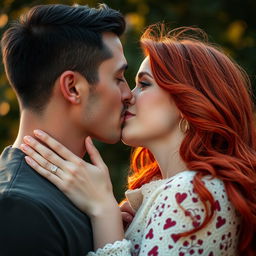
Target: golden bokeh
<point>4,108</point>
<point>235,31</point>
<point>3,19</point>
<point>135,21</point>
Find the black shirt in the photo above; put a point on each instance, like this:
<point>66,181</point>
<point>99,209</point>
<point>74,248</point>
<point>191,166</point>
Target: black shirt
<point>36,218</point>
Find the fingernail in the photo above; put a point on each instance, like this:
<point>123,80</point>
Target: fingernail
<point>90,140</point>
<point>24,147</point>
<point>29,160</point>
<point>39,133</point>
<point>28,138</point>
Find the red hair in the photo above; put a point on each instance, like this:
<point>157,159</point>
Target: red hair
<point>213,94</point>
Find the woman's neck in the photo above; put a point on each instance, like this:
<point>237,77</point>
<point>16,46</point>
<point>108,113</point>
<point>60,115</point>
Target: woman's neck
<point>166,153</point>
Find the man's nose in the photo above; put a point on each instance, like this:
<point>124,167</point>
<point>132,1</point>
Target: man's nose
<point>126,93</point>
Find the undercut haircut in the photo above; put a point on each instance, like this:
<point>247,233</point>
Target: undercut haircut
<point>51,39</point>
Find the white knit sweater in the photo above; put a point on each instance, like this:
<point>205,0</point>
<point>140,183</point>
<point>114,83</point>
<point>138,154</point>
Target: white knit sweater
<point>165,208</point>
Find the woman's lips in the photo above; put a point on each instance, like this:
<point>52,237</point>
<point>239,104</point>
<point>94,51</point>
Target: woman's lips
<point>128,115</point>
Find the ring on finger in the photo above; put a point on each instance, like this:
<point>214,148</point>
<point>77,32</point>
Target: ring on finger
<point>54,169</point>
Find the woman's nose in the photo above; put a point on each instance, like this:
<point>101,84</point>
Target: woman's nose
<point>131,100</point>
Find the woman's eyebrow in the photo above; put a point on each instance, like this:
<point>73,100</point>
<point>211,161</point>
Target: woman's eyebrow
<point>143,73</point>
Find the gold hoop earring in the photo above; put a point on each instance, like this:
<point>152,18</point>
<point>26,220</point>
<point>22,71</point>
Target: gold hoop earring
<point>184,125</point>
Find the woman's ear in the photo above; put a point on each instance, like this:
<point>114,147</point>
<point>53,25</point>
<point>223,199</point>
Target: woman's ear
<point>69,86</point>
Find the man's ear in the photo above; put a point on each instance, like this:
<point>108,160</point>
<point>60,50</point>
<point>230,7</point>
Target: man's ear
<point>69,86</point>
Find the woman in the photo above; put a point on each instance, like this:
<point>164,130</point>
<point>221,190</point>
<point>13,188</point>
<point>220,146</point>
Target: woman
<point>193,186</point>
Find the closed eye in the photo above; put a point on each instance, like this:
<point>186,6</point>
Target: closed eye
<point>120,80</point>
<point>144,84</point>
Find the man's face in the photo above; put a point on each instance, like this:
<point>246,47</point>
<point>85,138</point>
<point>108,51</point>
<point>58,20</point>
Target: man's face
<point>103,113</point>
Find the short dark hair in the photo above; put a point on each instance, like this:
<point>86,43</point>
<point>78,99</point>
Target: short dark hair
<point>50,39</point>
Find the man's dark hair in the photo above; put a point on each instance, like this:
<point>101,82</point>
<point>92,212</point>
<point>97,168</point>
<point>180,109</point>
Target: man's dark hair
<point>50,39</point>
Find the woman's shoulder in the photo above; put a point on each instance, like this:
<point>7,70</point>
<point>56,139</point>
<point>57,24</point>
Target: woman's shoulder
<point>185,181</point>
<point>180,190</point>
<point>181,183</point>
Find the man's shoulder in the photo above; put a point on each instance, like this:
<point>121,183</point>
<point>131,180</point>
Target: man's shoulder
<point>24,219</point>
<point>21,186</point>
<point>18,180</point>
<point>19,204</point>
<point>34,211</point>
<point>25,207</point>
<point>22,189</point>
<point>19,211</point>
<point>12,167</point>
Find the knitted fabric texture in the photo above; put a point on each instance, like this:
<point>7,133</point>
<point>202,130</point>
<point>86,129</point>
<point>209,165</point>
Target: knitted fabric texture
<point>165,208</point>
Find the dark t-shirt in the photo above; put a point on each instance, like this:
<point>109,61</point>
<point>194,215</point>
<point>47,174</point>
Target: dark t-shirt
<point>37,219</point>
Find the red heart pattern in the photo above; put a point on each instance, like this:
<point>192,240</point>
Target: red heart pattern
<point>164,224</point>
<point>150,234</point>
<point>169,223</point>
<point>175,237</point>
<point>220,222</point>
<point>217,206</point>
<point>180,197</point>
<point>153,251</point>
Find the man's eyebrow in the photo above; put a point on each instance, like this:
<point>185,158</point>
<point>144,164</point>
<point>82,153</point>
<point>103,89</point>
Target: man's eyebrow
<point>123,68</point>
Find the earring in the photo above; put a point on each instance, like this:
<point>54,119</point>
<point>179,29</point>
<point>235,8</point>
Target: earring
<point>184,125</point>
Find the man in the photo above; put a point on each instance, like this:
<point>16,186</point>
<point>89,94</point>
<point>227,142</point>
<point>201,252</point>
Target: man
<point>66,65</point>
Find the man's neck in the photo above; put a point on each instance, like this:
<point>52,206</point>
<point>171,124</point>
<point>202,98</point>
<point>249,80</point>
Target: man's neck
<point>56,126</point>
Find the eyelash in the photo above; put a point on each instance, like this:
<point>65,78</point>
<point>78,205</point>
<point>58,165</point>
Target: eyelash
<point>144,84</point>
<point>120,80</point>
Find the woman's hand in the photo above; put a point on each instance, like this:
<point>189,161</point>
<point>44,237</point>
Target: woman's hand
<point>127,213</point>
<point>87,185</point>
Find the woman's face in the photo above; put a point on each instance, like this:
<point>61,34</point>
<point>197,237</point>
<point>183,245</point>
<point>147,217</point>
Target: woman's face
<point>154,117</point>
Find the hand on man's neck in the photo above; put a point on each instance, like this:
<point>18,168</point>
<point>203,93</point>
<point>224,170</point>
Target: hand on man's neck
<point>55,125</point>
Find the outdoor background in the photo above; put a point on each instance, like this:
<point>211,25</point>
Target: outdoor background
<point>229,23</point>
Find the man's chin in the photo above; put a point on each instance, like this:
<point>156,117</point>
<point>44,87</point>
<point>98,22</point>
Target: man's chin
<point>112,141</point>
<point>115,138</point>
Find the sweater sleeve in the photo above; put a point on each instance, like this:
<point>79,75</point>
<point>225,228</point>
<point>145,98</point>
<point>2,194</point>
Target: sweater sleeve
<point>119,248</point>
<point>27,228</point>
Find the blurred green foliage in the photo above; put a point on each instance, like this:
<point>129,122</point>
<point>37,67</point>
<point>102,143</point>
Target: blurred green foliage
<point>229,23</point>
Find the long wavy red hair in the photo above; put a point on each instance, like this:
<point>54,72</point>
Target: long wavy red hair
<point>214,95</point>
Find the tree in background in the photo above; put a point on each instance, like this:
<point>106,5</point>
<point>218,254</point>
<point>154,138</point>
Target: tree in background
<point>230,24</point>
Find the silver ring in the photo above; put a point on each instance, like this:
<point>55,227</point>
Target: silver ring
<point>54,169</point>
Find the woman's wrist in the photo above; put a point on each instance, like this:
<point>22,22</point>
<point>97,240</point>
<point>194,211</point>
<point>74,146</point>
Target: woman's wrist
<point>107,224</point>
<point>106,208</point>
